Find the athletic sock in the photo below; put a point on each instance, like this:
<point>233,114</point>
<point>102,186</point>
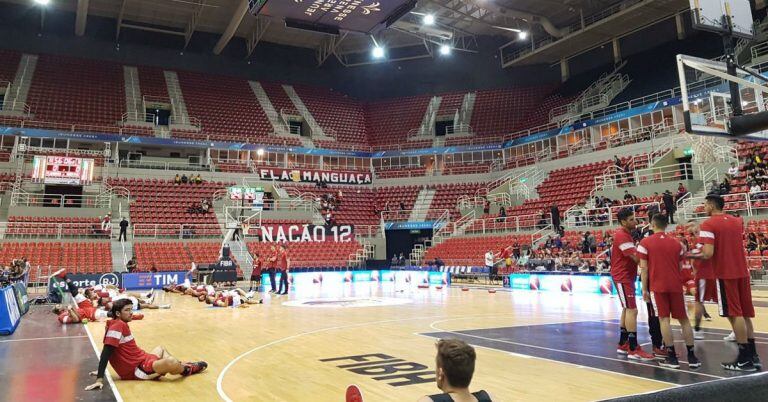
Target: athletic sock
<point>186,370</point>
<point>752,348</point>
<point>744,353</point>
<point>623,336</point>
<point>632,338</point>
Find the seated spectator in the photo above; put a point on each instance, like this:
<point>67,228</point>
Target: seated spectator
<point>198,179</point>
<point>714,187</point>
<point>628,197</point>
<point>184,179</point>
<point>681,191</point>
<point>502,214</point>
<point>762,242</point>
<point>439,263</point>
<point>455,368</point>
<point>752,244</point>
<point>725,187</point>
<point>132,265</point>
<point>733,171</point>
<point>756,189</point>
<point>177,179</point>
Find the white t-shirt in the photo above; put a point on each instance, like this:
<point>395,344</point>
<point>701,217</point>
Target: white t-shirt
<point>755,189</point>
<point>733,170</point>
<point>488,259</point>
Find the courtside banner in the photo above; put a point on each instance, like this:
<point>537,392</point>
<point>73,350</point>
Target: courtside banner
<point>9,311</point>
<point>21,297</point>
<point>314,176</point>
<point>88,280</point>
<point>385,278</point>
<point>565,283</point>
<point>148,280</point>
<point>306,233</point>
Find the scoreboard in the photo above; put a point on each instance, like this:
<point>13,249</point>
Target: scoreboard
<point>63,170</point>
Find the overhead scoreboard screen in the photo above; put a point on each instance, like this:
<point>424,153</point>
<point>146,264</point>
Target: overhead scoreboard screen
<point>330,16</point>
<point>62,170</point>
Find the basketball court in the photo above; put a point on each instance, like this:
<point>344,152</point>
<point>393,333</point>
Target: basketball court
<point>530,346</point>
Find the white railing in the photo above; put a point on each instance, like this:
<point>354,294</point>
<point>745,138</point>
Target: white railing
<point>759,50</point>
<point>745,204</point>
<point>49,230</point>
<point>509,224</point>
<point>138,117</point>
<point>15,106</point>
<point>540,234</point>
<point>175,231</point>
<point>185,121</point>
<point>458,129</point>
<point>618,179</point>
<point>576,218</point>
<point>24,199</point>
<point>159,165</point>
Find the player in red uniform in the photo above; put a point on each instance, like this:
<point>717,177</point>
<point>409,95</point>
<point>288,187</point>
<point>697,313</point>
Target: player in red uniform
<point>660,270</point>
<point>722,237</point>
<point>271,262</point>
<point>283,264</point>
<point>624,273</point>
<point>256,273</point>
<point>131,362</point>
<point>706,289</point>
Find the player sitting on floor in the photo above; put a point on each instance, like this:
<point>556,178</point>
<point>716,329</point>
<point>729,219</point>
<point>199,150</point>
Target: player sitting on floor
<point>131,362</point>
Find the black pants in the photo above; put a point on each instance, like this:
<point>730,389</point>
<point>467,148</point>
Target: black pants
<point>272,278</point>
<point>283,280</point>
<point>654,328</point>
<point>123,235</point>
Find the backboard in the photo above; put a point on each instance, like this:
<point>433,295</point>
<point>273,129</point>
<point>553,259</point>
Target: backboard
<point>714,15</point>
<point>706,99</point>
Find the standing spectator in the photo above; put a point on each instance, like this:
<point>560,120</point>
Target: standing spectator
<point>486,207</point>
<point>123,230</point>
<point>502,214</point>
<point>489,262</point>
<point>669,206</point>
<point>106,225</point>
<point>554,211</point>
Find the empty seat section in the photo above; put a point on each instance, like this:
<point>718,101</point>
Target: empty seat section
<point>308,255</point>
<point>9,63</point>
<point>76,257</point>
<point>163,256</point>
<point>470,251</point>
<point>389,121</point>
<point>335,111</point>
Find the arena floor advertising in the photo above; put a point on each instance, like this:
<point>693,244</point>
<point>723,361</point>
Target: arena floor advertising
<point>311,345</point>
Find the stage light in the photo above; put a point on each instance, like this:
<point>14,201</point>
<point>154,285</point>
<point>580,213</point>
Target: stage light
<point>429,19</point>
<point>260,152</point>
<point>378,52</point>
<point>523,35</point>
<point>445,50</point>
<point>42,2</point>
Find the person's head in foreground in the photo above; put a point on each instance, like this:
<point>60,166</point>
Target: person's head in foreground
<point>454,367</point>
<point>714,204</point>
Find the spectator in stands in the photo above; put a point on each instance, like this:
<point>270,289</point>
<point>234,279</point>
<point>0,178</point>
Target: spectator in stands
<point>589,244</point>
<point>198,179</point>
<point>762,242</point>
<point>106,225</point>
<point>554,213</point>
<point>132,265</point>
<point>617,162</point>
<point>557,242</point>
<point>394,260</point>
<point>714,187</point>
<point>401,259</point>
<point>439,263</point>
<point>486,207</point>
<point>669,206</point>
<point>752,244</point>
<point>184,179</point>
<point>681,191</point>
<point>455,365</point>
<point>516,249</point>
<point>725,187</point>
<point>402,206</point>
<point>627,197</point>
<point>123,230</point>
<point>177,179</point>
<point>733,171</point>
<point>502,214</point>
<point>489,263</point>
<point>754,190</point>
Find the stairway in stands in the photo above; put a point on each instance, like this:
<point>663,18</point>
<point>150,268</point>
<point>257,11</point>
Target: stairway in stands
<point>15,102</point>
<point>266,104</point>
<point>422,204</point>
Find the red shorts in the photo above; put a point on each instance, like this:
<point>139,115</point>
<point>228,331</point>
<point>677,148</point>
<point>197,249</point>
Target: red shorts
<point>144,370</point>
<point>626,293</point>
<point>706,290</point>
<point>666,304</point>
<point>735,298</point>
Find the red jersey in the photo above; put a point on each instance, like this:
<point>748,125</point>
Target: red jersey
<point>282,260</point>
<point>623,268</point>
<point>703,268</point>
<point>726,232</point>
<point>663,254</point>
<point>127,355</point>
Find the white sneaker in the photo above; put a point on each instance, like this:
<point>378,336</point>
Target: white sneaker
<point>698,335</point>
<point>250,295</point>
<point>730,338</point>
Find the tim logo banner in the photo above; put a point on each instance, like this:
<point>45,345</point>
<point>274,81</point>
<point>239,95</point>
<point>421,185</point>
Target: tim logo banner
<point>152,280</point>
<point>314,176</point>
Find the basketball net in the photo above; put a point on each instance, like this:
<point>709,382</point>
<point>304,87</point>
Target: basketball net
<point>703,148</point>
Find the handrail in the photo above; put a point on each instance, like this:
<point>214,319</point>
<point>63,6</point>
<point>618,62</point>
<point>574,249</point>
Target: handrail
<point>576,218</point>
<point>176,231</point>
<point>643,176</point>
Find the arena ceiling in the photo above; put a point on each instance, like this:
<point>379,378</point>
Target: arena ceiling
<point>457,22</point>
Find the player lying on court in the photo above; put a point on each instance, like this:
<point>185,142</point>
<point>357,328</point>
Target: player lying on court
<point>131,362</point>
<point>661,257</point>
<point>91,305</point>
<point>232,298</point>
<point>102,295</point>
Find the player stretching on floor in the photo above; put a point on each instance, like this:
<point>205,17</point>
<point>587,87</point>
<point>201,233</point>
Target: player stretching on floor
<point>722,236</point>
<point>624,273</point>
<point>131,362</point>
<point>660,270</point>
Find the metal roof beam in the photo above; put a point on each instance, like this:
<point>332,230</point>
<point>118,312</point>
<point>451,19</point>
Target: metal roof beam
<point>82,17</point>
<point>234,23</point>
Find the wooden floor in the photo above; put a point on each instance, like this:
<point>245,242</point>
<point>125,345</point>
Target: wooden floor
<point>273,352</point>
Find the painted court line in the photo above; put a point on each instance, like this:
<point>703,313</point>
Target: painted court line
<point>53,338</point>
<point>107,375</point>
<point>220,379</point>
<point>569,352</point>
